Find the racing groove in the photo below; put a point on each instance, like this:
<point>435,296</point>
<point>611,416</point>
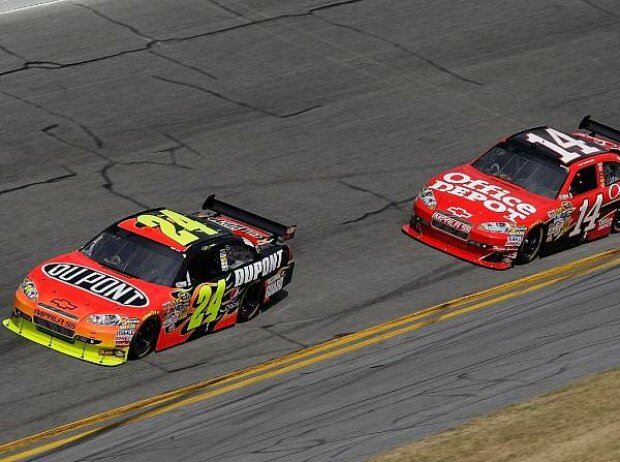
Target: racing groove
<point>328,114</point>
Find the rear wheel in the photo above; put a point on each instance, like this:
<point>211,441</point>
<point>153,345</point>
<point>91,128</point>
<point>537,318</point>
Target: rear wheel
<point>144,340</point>
<point>249,305</point>
<point>615,225</point>
<point>531,245</point>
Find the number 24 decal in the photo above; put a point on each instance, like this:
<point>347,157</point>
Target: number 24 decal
<point>206,304</point>
<point>168,221</point>
<point>586,216</point>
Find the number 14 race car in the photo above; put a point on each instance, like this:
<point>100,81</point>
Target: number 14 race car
<point>154,280</point>
<point>537,189</point>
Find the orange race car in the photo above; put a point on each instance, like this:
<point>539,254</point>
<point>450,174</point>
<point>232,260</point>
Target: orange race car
<point>154,280</point>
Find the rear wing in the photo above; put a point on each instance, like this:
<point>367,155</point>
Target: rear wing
<point>279,230</point>
<point>597,128</point>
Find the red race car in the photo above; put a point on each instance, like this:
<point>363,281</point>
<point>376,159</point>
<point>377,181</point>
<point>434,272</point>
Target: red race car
<point>154,280</point>
<point>535,190</point>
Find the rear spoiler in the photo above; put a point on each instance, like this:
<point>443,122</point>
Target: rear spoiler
<point>597,128</point>
<point>277,229</point>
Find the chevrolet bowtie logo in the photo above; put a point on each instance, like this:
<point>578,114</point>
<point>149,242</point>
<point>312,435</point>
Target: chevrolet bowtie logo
<point>459,212</point>
<point>64,304</point>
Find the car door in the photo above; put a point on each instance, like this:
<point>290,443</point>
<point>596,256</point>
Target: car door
<point>216,294</point>
<point>587,196</point>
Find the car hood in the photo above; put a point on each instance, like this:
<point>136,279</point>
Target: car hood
<point>472,196</point>
<point>76,285</point>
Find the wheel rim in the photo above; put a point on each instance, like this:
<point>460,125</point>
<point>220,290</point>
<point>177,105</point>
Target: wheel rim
<point>531,244</point>
<point>143,340</point>
<point>616,223</point>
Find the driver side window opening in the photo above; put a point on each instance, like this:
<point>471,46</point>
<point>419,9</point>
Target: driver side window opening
<point>585,180</point>
<point>238,255</point>
<point>212,262</point>
<point>612,172</point>
<point>205,266</point>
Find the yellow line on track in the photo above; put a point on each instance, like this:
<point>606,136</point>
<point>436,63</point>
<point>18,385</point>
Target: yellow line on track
<point>274,367</point>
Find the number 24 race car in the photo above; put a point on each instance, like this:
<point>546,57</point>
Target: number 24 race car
<point>154,280</point>
<point>537,189</point>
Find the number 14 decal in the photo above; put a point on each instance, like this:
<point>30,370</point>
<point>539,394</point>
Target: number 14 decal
<point>587,217</point>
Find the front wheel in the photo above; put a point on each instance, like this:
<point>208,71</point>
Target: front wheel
<point>531,245</point>
<point>144,340</point>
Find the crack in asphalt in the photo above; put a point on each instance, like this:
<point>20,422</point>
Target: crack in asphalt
<point>236,102</point>
<point>48,111</point>
<point>391,204</point>
<point>104,172</point>
<point>185,65</point>
<point>55,179</point>
<point>180,145</point>
<point>108,183</point>
<point>12,53</point>
<point>51,65</point>
<point>284,337</point>
<point>403,49</point>
<point>599,8</point>
<point>124,25</point>
<point>227,9</point>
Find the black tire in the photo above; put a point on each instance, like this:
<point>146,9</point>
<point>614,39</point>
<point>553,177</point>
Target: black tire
<point>615,225</point>
<point>250,302</point>
<point>531,245</point>
<point>144,340</point>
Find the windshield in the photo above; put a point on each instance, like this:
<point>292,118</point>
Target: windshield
<point>523,168</point>
<point>135,256</point>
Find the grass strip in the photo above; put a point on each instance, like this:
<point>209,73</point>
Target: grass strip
<point>575,424</point>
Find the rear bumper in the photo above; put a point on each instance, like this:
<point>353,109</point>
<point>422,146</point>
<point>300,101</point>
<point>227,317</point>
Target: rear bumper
<point>488,254</point>
<point>91,353</point>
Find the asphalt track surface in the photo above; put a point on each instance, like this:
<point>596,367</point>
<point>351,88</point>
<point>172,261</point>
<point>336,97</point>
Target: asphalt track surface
<point>325,114</point>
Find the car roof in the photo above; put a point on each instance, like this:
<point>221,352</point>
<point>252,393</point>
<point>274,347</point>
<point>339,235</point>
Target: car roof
<point>166,227</point>
<point>557,145</point>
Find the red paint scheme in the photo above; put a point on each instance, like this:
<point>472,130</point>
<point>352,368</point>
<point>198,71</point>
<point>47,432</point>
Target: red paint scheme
<point>492,250</point>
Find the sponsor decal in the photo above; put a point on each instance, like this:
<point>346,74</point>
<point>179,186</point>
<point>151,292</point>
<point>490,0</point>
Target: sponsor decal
<point>236,226</point>
<point>274,285</point>
<point>514,240</point>
<point>259,268</point>
<point>30,289</point>
<point>232,300</point>
<point>614,191</point>
<point>176,309</point>
<point>452,222</point>
<point>126,332</point>
<point>111,352</point>
<point>560,221</point>
<point>459,212</point>
<point>606,221</point>
<point>51,317</point>
<point>492,197</point>
<point>99,284</point>
<point>223,260</point>
<point>516,236</point>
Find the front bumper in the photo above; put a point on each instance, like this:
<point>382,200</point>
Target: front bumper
<point>96,354</point>
<point>483,250</point>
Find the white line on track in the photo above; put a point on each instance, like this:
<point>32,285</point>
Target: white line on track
<point>13,6</point>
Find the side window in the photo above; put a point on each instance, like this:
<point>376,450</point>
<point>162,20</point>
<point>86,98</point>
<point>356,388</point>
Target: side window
<point>238,255</point>
<point>584,181</point>
<point>205,266</point>
<point>612,172</point>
